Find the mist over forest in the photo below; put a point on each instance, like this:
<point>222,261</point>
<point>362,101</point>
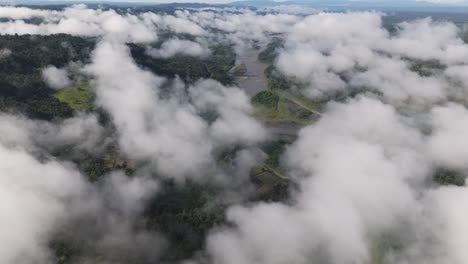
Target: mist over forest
<point>231,134</point>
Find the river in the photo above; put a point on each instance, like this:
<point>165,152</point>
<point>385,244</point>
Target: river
<point>255,81</point>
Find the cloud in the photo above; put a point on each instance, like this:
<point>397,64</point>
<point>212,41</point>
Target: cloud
<point>169,133</point>
<point>4,53</point>
<point>34,201</point>
<point>176,46</point>
<point>361,175</point>
<point>46,200</point>
<point>345,201</point>
<point>446,144</point>
<point>353,49</point>
<point>78,20</point>
<point>83,132</point>
<point>56,78</point>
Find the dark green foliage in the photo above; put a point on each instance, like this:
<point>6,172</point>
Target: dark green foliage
<point>267,99</point>
<point>426,68</point>
<point>276,80</point>
<point>47,109</point>
<point>185,215</point>
<point>189,68</point>
<point>449,177</point>
<point>269,54</point>
<point>32,98</point>
<point>30,53</point>
<point>279,192</point>
<point>21,85</point>
<point>64,251</point>
<point>274,150</point>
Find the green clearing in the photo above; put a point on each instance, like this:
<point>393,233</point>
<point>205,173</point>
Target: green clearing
<point>283,107</point>
<point>77,96</point>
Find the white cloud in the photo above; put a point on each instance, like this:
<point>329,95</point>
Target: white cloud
<point>176,46</point>
<point>56,78</point>
<point>4,53</point>
<point>169,133</point>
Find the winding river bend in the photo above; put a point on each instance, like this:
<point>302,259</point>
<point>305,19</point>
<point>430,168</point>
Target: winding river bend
<point>254,81</point>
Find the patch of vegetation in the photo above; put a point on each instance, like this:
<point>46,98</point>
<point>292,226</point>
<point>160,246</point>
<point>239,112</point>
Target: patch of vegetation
<point>222,59</point>
<point>31,53</point>
<point>269,54</point>
<point>274,150</point>
<point>239,70</point>
<point>185,214</point>
<point>279,81</point>
<point>293,112</point>
<point>189,68</point>
<point>299,98</point>
<point>78,96</point>
<point>267,99</point>
<point>426,68</point>
<point>382,245</point>
<point>21,86</point>
<point>270,187</point>
<point>274,106</point>
<point>449,177</point>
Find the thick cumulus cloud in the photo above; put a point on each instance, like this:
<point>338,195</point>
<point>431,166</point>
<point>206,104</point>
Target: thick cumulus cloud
<point>355,182</point>
<point>177,23</point>
<point>56,78</point>
<point>177,46</point>
<point>331,52</point>
<point>34,200</point>
<point>447,145</point>
<point>169,133</point>
<point>363,171</point>
<point>108,221</point>
<point>83,132</point>
<point>44,198</point>
<point>78,20</point>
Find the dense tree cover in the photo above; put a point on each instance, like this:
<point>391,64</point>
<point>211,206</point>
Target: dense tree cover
<point>184,214</point>
<point>30,53</point>
<point>449,177</point>
<point>269,54</point>
<point>21,85</point>
<point>189,68</point>
<point>32,98</point>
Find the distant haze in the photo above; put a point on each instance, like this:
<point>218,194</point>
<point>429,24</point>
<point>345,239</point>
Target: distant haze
<point>255,2</point>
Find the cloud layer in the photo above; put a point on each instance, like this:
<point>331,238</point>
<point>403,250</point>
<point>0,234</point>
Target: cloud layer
<point>362,173</point>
